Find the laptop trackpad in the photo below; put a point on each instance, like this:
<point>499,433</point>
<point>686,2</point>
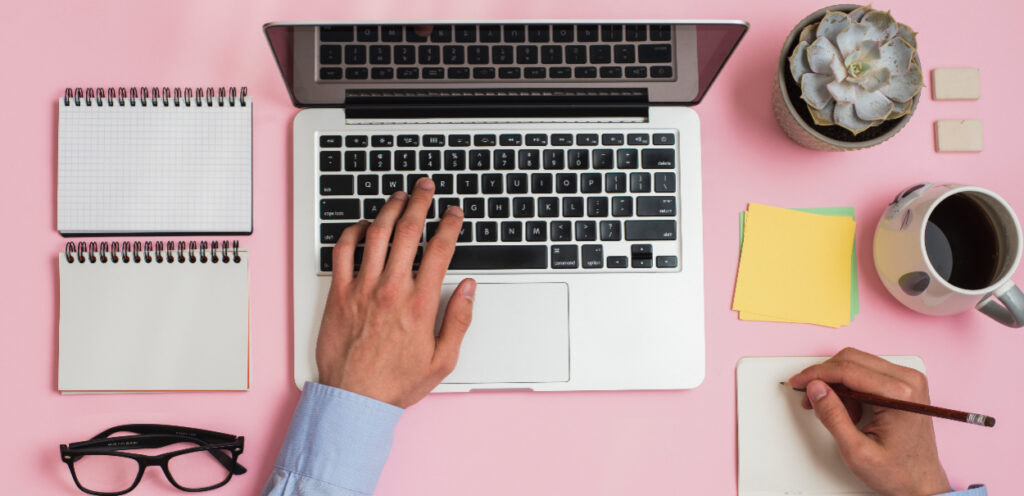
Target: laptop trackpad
<point>520,333</point>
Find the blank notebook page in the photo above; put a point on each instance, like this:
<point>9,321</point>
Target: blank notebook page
<point>154,326</point>
<point>154,169</point>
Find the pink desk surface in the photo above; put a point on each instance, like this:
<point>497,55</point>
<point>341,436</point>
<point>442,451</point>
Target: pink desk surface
<point>595,443</point>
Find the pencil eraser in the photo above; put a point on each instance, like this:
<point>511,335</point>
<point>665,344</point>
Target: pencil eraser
<point>958,136</point>
<point>961,83</point>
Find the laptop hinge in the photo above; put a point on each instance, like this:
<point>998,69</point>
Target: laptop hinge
<point>496,103</point>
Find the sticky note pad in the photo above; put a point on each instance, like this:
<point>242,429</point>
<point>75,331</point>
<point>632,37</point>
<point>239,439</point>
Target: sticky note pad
<point>956,83</point>
<point>959,136</point>
<point>854,287</point>
<point>795,266</point>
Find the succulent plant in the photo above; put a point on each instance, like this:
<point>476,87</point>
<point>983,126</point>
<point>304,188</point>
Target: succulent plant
<point>857,69</point>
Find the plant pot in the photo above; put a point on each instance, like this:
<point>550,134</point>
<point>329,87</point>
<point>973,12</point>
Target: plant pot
<point>794,118</point>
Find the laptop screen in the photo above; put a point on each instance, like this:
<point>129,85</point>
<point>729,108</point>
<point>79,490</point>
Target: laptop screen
<point>637,62</point>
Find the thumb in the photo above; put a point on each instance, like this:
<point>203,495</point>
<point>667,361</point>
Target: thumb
<point>457,317</point>
<point>831,411</point>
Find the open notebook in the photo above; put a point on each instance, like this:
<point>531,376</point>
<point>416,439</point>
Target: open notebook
<point>783,449</point>
<point>160,162</point>
<point>145,317</point>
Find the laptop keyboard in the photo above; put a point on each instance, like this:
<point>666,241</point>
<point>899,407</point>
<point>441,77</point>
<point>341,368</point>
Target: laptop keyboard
<point>522,52</point>
<point>535,201</point>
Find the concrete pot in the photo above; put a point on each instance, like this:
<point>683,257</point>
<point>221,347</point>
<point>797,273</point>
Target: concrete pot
<point>795,120</point>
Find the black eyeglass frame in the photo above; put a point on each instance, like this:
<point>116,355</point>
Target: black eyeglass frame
<point>148,436</point>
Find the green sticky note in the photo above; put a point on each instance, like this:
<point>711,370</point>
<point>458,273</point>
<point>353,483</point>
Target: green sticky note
<point>833,211</point>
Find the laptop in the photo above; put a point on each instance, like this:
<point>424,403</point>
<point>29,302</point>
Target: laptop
<point>572,146</point>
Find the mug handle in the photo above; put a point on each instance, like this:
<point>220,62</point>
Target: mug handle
<point>1011,312</point>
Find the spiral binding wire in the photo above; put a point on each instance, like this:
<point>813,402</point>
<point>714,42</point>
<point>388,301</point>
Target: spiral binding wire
<point>137,252</point>
<point>156,97</point>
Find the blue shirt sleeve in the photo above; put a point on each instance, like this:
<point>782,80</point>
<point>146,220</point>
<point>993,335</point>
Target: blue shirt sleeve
<point>974,490</point>
<point>336,446</point>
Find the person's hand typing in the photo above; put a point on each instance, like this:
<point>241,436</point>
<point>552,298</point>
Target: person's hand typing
<point>377,334</point>
<point>894,454</point>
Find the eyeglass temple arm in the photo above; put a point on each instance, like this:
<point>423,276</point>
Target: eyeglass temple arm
<point>159,441</point>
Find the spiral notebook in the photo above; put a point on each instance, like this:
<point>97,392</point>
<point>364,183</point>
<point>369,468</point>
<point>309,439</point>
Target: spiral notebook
<point>138,162</point>
<point>147,316</point>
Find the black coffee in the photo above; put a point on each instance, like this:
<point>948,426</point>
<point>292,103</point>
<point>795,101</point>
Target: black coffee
<point>962,242</point>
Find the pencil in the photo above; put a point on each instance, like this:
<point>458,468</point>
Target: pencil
<point>908,406</point>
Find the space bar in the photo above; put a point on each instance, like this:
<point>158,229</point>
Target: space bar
<point>499,257</point>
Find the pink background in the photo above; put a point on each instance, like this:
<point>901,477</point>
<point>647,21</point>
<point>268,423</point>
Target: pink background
<point>596,443</point>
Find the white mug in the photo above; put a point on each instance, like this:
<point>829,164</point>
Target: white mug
<point>941,249</point>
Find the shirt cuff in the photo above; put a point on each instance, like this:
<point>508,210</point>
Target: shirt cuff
<point>974,490</point>
<point>339,437</point>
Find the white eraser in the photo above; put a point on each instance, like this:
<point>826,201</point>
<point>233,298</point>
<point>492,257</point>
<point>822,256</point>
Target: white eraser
<point>956,83</point>
<point>958,136</point>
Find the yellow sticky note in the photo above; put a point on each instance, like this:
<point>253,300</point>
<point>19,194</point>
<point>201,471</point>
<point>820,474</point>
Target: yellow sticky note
<point>795,267</point>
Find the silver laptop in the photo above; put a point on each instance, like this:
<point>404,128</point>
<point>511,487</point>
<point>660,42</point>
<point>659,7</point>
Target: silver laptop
<point>574,150</point>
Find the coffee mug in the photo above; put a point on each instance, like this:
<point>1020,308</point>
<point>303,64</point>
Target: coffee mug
<point>942,248</point>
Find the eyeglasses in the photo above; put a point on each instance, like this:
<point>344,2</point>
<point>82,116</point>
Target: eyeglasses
<point>206,460</point>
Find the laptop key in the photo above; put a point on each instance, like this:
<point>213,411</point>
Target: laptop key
<point>437,72</point>
<point>640,230</point>
<point>336,33</point>
<point>554,159</point>
<point>391,183</point>
<point>330,141</point>
<point>504,159</point>
<point>444,203</point>
<point>536,231</point>
<point>484,140</point>
<point>331,73</point>
<point>391,33</point>
<point>551,54</point>
<point>522,206</point>
<point>579,159</point>
<point>636,32</point>
<point>331,231</point>
<point>586,139</point>
<point>661,71</point>
<point>656,206</point>
<point>539,33</point>
<point>661,32</point>
<point>405,54</point>
<point>486,232</point>
<point>651,54</point>
<point>433,140</point>
<point>336,184</point>
<point>640,182</point>
<point>564,257</point>
<point>355,55</point>
<point>611,139</point>
<point>618,262</point>
<point>515,33</point>
<point>473,207</point>
<point>586,72</point>
<point>490,33</point>
<point>499,257</point>
<point>479,160</point>
<point>356,141</point>
<point>611,32</point>
<point>600,54</point>
<point>636,72</point>
<point>511,231</point>
<point>371,207</point>
<point>466,233</point>
<point>526,54</point>
<point>492,184</point>
<point>615,182</point>
<point>408,140</point>
<point>576,54</point>
<point>611,72</point>
<point>454,55</point>
<point>572,206</point>
<point>497,208</point>
<point>597,206</point>
<point>509,72</point>
<point>540,183</point>
<point>502,54</point>
<point>458,140</point>
<point>410,181</point>
<point>547,206</point>
<point>529,159</point>
<point>627,158</point>
<point>356,73</point>
<point>565,183</point>
<point>664,182</point>
<point>590,183</point>
<point>430,54</point>
<point>561,230</point>
<point>382,140</point>
<point>483,73</point>
<point>455,160</point>
<point>562,33</point>
<point>511,139</point>
<point>477,54</point>
<point>638,139</point>
<point>642,256</point>
<point>339,209</point>
<point>330,54</point>
<point>412,36</point>
<point>592,256</point>
<point>659,158</point>
<point>380,54</point>
<point>603,159</point>
<point>622,206</point>
<point>380,160</point>
<point>664,139</point>
<point>560,72</point>
<point>586,230</point>
<point>444,184</point>
<point>666,262</point>
<point>625,54</point>
<point>465,34</point>
<point>430,160</point>
<point>586,32</point>
<point>441,34</point>
<point>382,73</point>
<point>611,230</point>
<point>455,72</point>
<point>355,160</point>
<point>516,183</point>
<point>366,33</point>
<point>535,73</point>
<point>405,160</point>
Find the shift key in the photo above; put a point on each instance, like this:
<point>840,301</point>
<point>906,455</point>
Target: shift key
<point>650,230</point>
<point>339,209</point>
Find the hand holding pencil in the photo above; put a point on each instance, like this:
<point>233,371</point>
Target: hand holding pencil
<point>894,454</point>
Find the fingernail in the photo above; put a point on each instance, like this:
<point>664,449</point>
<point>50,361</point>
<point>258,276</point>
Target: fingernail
<point>425,184</point>
<point>399,195</point>
<point>816,390</point>
<point>454,211</point>
<point>469,291</point>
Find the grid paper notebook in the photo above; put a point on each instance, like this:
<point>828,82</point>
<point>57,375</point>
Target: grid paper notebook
<point>156,319</point>
<point>164,162</point>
